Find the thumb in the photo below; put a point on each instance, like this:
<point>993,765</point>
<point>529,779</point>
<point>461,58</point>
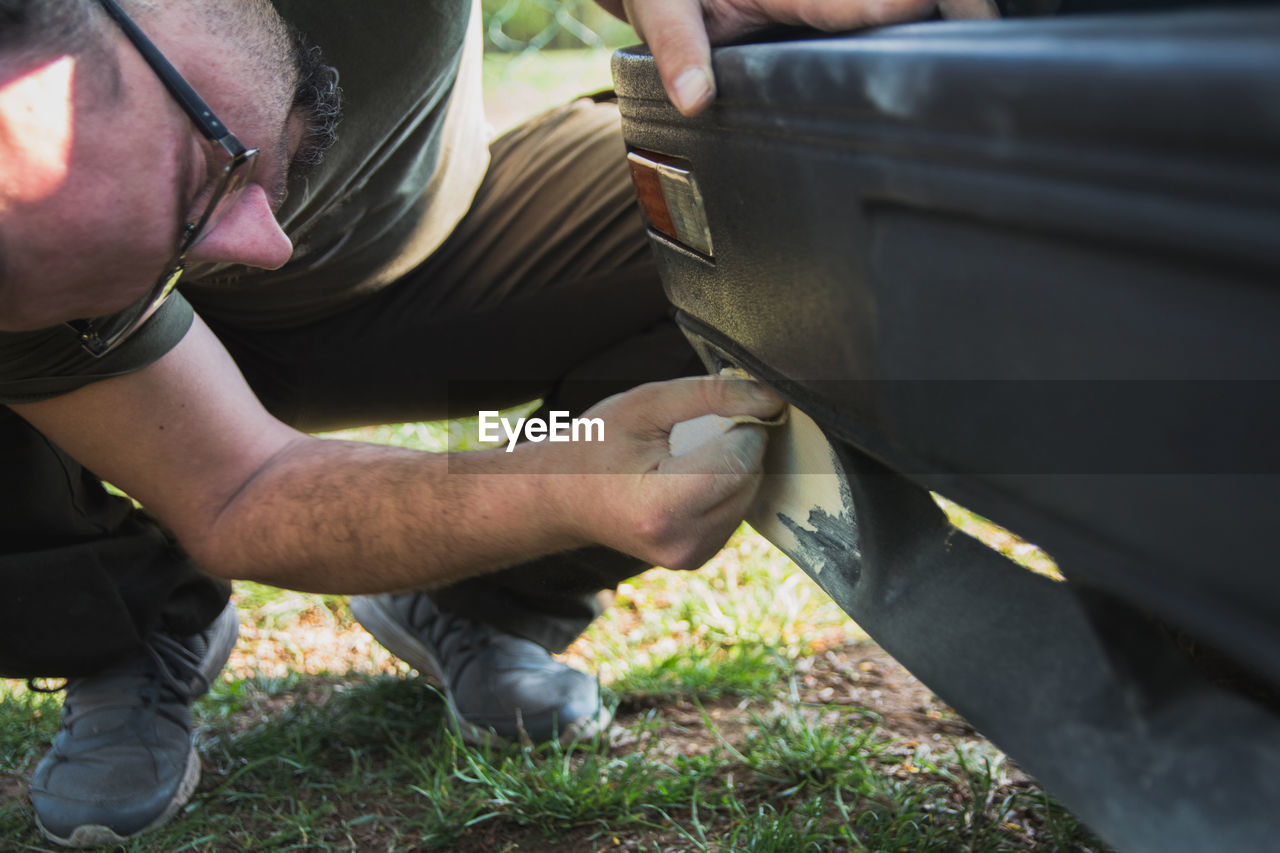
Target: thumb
<point>678,400</point>
<point>677,35</point>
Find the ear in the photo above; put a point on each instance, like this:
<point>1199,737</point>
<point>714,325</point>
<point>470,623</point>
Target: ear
<point>37,129</point>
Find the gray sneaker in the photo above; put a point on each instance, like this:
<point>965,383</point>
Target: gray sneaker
<point>123,761</point>
<point>494,683</point>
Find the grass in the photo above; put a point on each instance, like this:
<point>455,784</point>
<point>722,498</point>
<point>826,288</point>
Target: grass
<point>748,722</point>
<point>753,717</point>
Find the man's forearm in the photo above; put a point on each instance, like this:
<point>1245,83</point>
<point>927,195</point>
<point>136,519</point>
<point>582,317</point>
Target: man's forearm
<point>252,498</point>
<point>336,516</point>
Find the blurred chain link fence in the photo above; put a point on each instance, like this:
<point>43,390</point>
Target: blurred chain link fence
<point>524,26</point>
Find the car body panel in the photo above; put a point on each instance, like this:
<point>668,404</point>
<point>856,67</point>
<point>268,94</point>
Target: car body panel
<point>1034,266</point>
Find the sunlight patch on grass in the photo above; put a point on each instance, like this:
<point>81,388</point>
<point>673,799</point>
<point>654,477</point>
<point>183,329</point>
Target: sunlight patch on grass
<point>748,605</point>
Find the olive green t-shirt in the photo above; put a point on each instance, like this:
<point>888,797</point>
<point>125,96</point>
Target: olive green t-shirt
<point>412,149</point>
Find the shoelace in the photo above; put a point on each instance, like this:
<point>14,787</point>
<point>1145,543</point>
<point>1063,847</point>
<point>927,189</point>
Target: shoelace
<point>169,655</point>
<point>456,639</point>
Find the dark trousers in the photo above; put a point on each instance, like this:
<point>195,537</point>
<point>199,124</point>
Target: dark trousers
<point>85,576</point>
<point>545,290</point>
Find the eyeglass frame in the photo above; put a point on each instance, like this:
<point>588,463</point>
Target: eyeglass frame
<point>94,339</point>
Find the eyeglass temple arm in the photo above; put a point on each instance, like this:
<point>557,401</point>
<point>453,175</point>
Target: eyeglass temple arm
<point>186,96</point>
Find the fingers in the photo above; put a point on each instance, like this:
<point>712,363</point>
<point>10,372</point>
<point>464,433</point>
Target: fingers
<point>668,403</point>
<point>651,511</point>
<point>711,503</point>
<point>677,34</point>
<point>677,30</point>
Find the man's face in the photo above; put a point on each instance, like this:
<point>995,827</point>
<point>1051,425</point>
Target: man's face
<point>98,176</point>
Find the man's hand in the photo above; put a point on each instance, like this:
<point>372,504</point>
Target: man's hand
<point>680,32</point>
<point>632,494</point>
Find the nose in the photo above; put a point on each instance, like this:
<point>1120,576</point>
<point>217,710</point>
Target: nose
<point>246,234</point>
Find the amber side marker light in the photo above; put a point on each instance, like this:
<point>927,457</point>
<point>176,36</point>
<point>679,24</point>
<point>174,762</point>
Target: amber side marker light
<point>670,199</point>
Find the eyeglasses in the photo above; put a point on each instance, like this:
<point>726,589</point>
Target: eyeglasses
<point>100,335</point>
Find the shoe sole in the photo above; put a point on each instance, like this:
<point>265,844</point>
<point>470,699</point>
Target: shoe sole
<point>223,634</point>
<point>382,625</point>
